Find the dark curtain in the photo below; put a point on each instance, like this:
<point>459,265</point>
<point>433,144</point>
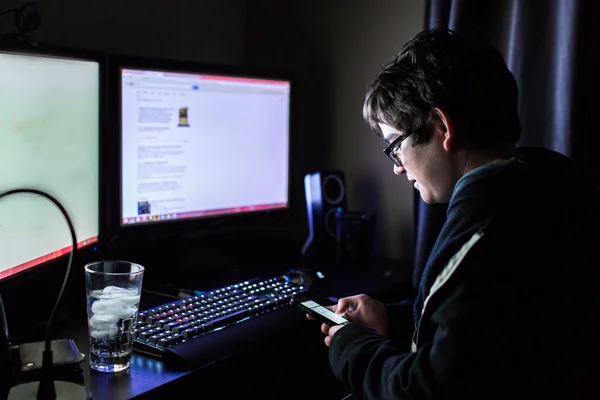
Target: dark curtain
<point>550,46</point>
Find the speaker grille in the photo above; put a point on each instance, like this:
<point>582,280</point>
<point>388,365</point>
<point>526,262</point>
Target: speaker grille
<point>333,189</point>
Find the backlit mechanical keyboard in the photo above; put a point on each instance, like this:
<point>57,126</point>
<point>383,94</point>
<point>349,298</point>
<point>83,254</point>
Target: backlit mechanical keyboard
<point>170,324</point>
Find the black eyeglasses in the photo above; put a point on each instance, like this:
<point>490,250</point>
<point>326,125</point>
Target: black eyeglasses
<point>391,149</point>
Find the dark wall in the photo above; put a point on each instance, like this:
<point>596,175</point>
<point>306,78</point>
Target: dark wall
<point>203,30</point>
<point>335,48</point>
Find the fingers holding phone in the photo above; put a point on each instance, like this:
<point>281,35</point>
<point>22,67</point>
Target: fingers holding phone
<point>364,310</point>
<point>367,311</point>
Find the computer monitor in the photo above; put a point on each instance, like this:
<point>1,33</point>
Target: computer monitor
<point>199,144</point>
<point>49,140</point>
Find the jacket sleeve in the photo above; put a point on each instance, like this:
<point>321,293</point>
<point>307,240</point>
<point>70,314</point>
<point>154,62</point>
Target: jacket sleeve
<point>375,368</point>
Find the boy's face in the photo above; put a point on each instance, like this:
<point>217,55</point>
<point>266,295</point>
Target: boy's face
<point>427,165</point>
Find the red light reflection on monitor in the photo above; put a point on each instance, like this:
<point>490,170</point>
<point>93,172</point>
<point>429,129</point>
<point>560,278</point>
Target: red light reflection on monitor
<point>48,257</point>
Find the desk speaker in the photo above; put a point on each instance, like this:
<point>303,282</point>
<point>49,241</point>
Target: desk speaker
<point>325,193</point>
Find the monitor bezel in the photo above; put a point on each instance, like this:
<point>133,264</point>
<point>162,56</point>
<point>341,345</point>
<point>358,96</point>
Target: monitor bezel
<point>117,62</point>
<point>54,51</point>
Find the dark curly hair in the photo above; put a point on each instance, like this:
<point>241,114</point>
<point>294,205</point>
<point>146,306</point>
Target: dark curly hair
<point>438,68</point>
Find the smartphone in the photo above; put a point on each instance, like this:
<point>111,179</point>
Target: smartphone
<point>319,312</point>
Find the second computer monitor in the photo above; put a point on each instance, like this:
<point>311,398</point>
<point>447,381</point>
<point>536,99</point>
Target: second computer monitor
<point>50,125</point>
<point>197,144</point>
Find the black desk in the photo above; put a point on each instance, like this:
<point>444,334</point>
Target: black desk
<point>144,375</point>
<point>249,372</point>
<point>264,371</point>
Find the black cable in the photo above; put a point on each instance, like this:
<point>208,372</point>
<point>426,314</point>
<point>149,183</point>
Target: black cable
<point>3,321</point>
<point>8,11</point>
<point>46,388</point>
<point>3,13</point>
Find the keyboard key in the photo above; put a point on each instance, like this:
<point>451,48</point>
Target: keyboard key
<point>154,339</point>
<point>161,323</point>
<point>181,328</point>
<point>190,333</point>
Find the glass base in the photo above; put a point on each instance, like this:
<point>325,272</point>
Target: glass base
<point>109,364</point>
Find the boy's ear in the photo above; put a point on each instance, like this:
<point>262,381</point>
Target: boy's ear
<point>445,128</point>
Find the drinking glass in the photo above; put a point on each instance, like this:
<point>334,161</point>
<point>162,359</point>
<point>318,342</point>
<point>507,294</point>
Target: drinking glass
<point>113,291</point>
